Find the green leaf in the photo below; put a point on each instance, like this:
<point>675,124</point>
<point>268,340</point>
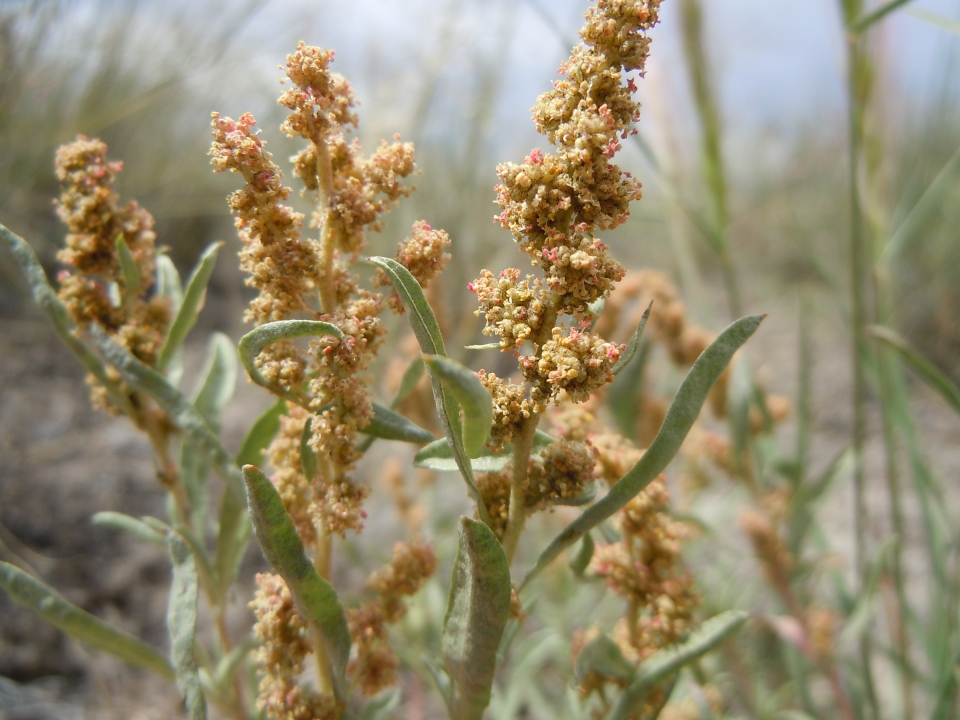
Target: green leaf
<point>389,425</point>
<point>190,307</point>
<point>129,270</point>
<point>584,555</point>
<point>438,456</point>
<point>79,624</point>
<point>633,344</point>
<point>477,613</point>
<point>427,331</point>
<point>441,680</point>
<point>315,598</point>
<point>588,495</point>
<point>680,418</point>
<point>602,656</point>
<point>135,527</point>
<point>410,379</point>
<point>309,464</point>
<point>219,380</point>
<point>871,18</point>
<point>168,282</point>
<point>261,434</point>
<point>927,371</point>
<point>56,313</point>
<point>230,664</point>
<point>473,397</point>
<point>666,662</point>
<point>182,625</point>
<point>253,343</point>
<point>180,410</point>
<point>484,346</point>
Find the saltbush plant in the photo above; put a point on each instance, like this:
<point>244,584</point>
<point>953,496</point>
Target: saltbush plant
<point>538,439</point>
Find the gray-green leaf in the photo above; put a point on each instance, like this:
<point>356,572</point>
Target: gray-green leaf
<point>410,379</point>
<point>261,434</point>
<point>315,598</point>
<point>602,656</point>
<point>190,306</point>
<point>389,425</point>
<point>309,464</point>
<point>135,527</point>
<point>666,662</point>
<point>180,410</point>
<point>168,282</point>
<point>253,343</point>
<point>584,555</point>
<point>680,418</point>
<point>219,379</point>
<point>129,270</point>
<point>477,613</point>
<point>473,397</point>
<point>182,625</point>
<point>438,456</point>
<point>927,371</point>
<point>79,624</point>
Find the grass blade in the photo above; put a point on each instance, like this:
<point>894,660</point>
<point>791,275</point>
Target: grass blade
<point>180,410</point>
<point>927,371</point>
<point>79,624</point>
<point>666,662</point>
<point>253,343</point>
<point>634,343</point>
<point>865,21</point>
<point>135,527</point>
<point>315,598</point>
<point>427,331</point>
<point>190,306</point>
<point>56,313</point>
<point>473,397</point>
<point>182,625</point>
<point>680,418</point>
<point>477,614</point>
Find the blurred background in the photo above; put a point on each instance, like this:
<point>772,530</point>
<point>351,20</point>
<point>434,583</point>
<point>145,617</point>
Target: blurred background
<point>742,153</point>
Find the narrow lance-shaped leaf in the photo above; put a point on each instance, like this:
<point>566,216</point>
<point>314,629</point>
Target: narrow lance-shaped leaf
<point>438,456</point>
<point>389,425</point>
<point>927,371</point>
<point>56,313</point>
<point>427,331</point>
<point>261,434</point>
<point>477,613</point>
<point>473,397</point>
<point>233,534</point>
<point>190,306</point>
<point>315,598</point>
<point>409,381</point>
<point>583,557</point>
<point>633,344</point>
<point>680,418</point>
<point>182,625</point>
<point>180,410</point>
<point>168,281</point>
<point>79,624</point>
<point>129,270</point>
<point>135,527</point>
<point>666,662</point>
<point>253,343</point>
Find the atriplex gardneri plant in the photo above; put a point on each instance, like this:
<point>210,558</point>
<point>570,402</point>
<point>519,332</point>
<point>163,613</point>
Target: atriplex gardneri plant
<point>121,309</point>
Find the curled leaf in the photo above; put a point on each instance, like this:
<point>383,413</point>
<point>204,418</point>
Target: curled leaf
<point>253,343</point>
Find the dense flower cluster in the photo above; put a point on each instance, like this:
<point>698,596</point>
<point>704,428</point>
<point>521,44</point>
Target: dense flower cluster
<point>280,657</point>
<point>514,309</point>
<point>575,363</point>
<point>563,473</point>
<point>94,288</point>
<point>510,409</point>
<point>374,667</point>
<point>423,254</point>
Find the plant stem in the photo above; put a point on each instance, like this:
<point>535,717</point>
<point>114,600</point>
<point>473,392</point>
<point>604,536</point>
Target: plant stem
<point>327,239</point>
